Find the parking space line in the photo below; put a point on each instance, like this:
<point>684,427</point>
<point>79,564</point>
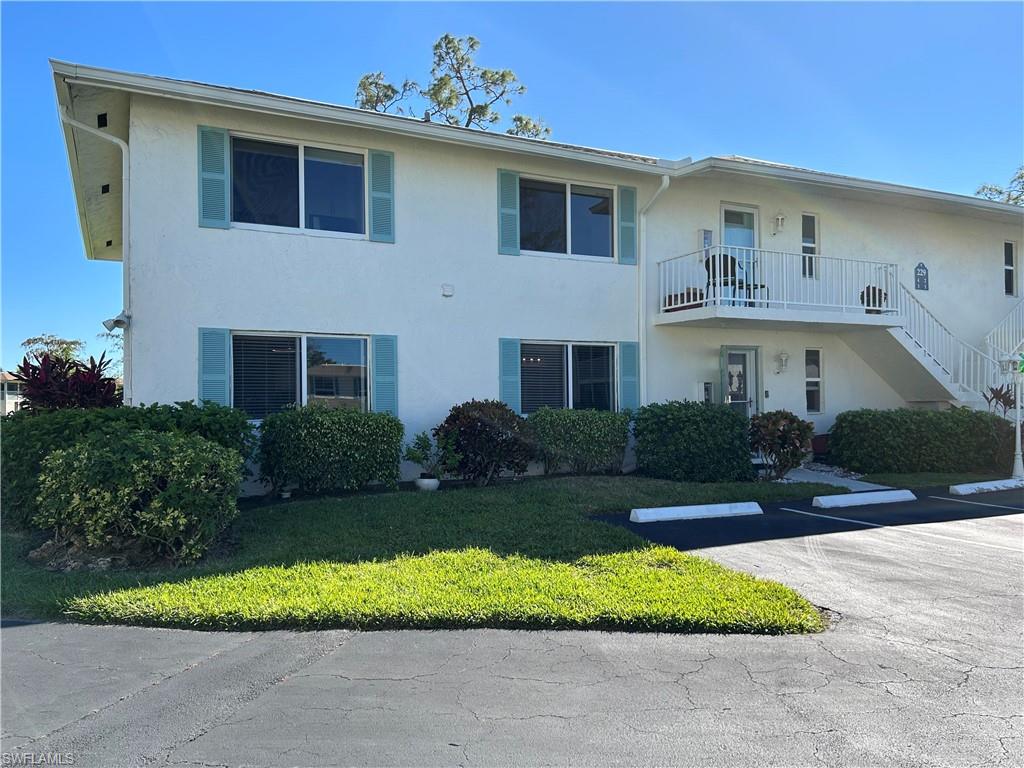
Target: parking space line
<point>895,529</point>
<point>978,503</point>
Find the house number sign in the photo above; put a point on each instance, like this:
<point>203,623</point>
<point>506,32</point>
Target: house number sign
<point>921,277</point>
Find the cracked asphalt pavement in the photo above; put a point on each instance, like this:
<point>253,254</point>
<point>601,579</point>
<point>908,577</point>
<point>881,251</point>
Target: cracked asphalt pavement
<point>923,666</point>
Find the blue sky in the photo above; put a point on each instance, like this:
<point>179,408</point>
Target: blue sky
<point>928,95</point>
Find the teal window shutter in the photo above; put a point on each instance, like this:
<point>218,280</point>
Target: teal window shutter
<point>215,366</point>
<point>382,196</point>
<point>508,212</point>
<point>384,392</point>
<point>214,178</point>
<point>509,389</point>
<point>627,225</point>
<point>629,375</point>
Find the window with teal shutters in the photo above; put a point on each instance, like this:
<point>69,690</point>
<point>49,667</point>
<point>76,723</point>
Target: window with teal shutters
<point>214,366</point>
<point>627,225</point>
<point>382,196</point>
<point>508,212</point>
<point>384,389</point>
<point>629,375</point>
<point>509,374</point>
<point>214,178</point>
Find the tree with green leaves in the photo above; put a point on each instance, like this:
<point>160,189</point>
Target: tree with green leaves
<point>115,342</point>
<point>54,346</point>
<point>1012,193</point>
<point>460,91</point>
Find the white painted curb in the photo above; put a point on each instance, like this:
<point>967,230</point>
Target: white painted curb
<point>966,489</point>
<point>862,499</point>
<point>695,512</point>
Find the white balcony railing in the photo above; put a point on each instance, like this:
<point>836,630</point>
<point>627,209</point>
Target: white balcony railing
<point>732,276</point>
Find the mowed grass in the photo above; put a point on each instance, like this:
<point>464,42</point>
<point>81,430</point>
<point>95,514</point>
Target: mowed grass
<point>529,555</point>
<point>929,479</point>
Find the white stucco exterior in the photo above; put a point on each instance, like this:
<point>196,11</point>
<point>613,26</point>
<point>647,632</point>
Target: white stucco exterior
<point>183,277</point>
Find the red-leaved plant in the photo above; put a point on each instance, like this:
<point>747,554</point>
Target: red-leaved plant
<point>49,383</point>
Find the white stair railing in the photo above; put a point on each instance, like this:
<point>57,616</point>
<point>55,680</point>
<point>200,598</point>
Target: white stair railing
<point>966,366</point>
<point>1008,336</point>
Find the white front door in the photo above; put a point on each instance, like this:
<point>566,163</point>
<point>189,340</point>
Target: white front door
<point>740,238</point>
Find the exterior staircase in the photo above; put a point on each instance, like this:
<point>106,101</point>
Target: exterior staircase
<point>944,369</point>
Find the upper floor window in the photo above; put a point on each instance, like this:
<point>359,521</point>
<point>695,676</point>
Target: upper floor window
<point>288,185</point>
<point>1010,268</point>
<point>567,376</point>
<point>809,243</point>
<point>564,218</point>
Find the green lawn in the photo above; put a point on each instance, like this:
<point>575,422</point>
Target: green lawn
<point>527,554</point>
<point>928,479</point>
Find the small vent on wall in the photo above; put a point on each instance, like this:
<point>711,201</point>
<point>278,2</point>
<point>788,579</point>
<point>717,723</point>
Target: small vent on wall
<point>104,189</point>
<point>101,120</point>
<point>109,243</point>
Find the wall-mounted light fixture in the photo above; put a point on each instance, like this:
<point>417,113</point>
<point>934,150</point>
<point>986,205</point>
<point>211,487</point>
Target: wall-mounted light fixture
<point>781,361</point>
<point>779,223</point>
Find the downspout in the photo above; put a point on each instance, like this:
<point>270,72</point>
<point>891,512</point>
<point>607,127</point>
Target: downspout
<point>65,116</point>
<point>641,289</point>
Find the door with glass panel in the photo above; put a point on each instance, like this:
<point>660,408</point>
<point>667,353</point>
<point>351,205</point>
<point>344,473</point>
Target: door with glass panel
<point>739,379</point>
<point>739,239</point>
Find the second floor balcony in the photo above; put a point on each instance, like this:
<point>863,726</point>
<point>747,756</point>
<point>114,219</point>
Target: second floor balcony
<point>730,284</point>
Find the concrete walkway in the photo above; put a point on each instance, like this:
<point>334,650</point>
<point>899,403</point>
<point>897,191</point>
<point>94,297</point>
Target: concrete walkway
<point>804,475</point>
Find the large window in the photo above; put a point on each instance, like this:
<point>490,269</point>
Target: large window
<point>809,243</point>
<point>1009,268</point>
<point>271,373</point>
<point>581,227</point>
<point>812,379</point>
<point>567,376</point>
<point>287,185</point>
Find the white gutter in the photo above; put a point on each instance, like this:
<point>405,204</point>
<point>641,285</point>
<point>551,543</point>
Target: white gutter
<point>641,289</point>
<point>65,116</point>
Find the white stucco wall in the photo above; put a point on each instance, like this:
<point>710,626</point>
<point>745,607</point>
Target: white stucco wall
<point>184,276</point>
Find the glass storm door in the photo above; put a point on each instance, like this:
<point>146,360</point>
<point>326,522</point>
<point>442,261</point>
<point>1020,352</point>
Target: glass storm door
<point>739,380</point>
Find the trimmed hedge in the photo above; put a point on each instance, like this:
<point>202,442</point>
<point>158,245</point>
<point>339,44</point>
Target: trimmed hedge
<point>586,442</point>
<point>151,494</point>
<point>694,442</point>
<point>480,439</point>
<point>29,437</point>
<point>904,440</point>
<point>329,450</point>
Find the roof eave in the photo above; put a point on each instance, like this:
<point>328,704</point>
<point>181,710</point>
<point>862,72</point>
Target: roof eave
<point>806,176</point>
<point>287,106</point>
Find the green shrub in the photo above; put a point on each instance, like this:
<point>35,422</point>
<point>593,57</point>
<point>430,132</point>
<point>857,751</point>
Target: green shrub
<point>691,441</point>
<point>330,450</point>
<point>483,438</point>
<point>584,441</point>
<point>783,439</point>
<point>27,438</point>
<point>153,494</point>
<point>904,440</point>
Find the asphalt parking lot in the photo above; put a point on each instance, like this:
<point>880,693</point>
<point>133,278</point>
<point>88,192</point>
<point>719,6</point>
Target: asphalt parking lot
<point>923,666</point>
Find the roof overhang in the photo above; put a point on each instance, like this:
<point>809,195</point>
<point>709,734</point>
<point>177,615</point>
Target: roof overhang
<point>852,187</point>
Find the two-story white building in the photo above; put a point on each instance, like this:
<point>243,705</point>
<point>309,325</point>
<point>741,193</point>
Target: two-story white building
<point>278,251</point>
